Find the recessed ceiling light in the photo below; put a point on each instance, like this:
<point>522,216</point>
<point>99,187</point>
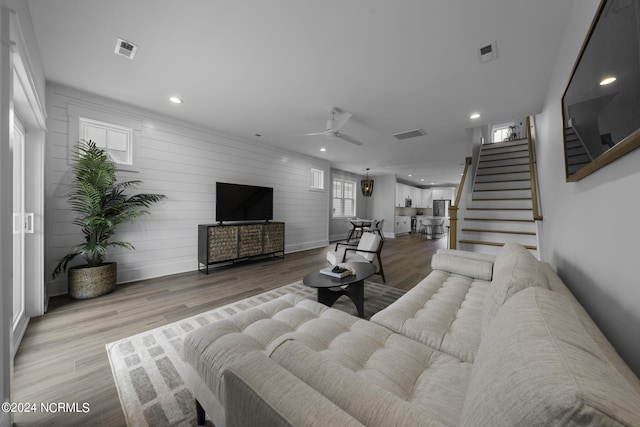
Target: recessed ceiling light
<point>409,175</point>
<point>607,81</point>
<point>323,149</point>
<point>475,116</point>
<point>176,100</point>
<point>422,180</point>
<point>431,183</point>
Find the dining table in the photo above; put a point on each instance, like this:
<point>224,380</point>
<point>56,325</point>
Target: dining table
<point>357,227</point>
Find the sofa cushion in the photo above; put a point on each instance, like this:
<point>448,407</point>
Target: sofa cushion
<point>378,377</point>
<point>476,268</point>
<point>261,393</point>
<point>443,311</point>
<point>536,365</point>
<point>211,349</point>
<point>514,269</point>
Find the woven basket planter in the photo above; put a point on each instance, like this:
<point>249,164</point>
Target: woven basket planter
<point>90,282</point>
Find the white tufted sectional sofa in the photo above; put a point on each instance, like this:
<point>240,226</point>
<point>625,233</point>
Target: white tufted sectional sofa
<point>482,341</point>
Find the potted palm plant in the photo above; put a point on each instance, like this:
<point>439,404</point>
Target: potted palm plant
<point>101,205</point>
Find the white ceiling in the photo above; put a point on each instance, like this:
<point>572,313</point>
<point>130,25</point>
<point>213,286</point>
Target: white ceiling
<point>275,67</point>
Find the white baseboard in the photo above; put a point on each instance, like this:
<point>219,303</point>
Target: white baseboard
<point>59,286</point>
<point>306,246</point>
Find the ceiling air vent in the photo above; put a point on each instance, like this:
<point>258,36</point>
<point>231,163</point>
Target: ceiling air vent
<point>488,53</point>
<point>125,48</point>
<point>409,134</point>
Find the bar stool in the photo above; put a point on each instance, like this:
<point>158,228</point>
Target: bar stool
<point>438,228</point>
<point>425,229</point>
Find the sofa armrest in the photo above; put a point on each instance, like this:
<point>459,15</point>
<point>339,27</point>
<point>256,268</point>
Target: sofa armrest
<point>479,256</point>
<point>464,266</point>
<point>258,391</point>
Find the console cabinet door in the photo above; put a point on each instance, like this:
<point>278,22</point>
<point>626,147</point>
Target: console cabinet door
<point>274,237</point>
<point>250,240</point>
<point>222,243</point>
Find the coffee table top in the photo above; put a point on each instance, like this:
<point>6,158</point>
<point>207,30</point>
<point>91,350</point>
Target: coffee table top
<point>363,270</point>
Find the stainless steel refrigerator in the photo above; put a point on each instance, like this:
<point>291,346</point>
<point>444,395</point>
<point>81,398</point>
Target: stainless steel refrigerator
<point>441,207</point>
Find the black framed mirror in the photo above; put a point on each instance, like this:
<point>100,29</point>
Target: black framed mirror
<point>601,104</point>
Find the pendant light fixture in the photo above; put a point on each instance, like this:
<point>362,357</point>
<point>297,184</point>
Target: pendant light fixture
<point>367,186</point>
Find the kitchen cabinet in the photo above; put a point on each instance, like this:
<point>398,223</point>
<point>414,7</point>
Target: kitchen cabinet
<point>444,193</point>
<point>404,192</point>
<point>426,199</point>
<point>402,225</point>
<point>399,196</point>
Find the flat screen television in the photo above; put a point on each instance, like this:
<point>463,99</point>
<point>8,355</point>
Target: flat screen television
<point>236,202</point>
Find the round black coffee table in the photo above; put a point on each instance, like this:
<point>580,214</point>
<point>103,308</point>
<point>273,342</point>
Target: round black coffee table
<point>332,288</point>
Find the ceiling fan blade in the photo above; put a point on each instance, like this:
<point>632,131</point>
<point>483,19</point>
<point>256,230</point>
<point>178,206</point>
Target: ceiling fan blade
<point>340,121</point>
<point>347,138</point>
<point>309,134</point>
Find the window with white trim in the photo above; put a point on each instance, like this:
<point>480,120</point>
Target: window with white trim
<point>116,140</point>
<point>344,198</point>
<point>501,132</point>
<point>316,179</point>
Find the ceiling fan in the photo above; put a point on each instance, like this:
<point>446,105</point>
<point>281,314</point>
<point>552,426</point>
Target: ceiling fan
<point>336,122</point>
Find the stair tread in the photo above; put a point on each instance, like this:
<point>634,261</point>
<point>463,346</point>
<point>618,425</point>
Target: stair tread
<point>499,209</point>
<point>526,150</point>
<point>503,180</point>
<point>481,242</point>
<point>498,219</point>
<point>484,230</point>
<point>500,173</point>
<point>501,144</point>
<point>501,198</point>
<point>503,189</point>
<point>508,158</point>
<point>504,166</point>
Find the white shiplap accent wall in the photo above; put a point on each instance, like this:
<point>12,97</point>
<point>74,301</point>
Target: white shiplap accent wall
<point>182,161</point>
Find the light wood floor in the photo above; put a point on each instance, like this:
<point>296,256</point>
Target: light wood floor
<point>62,357</point>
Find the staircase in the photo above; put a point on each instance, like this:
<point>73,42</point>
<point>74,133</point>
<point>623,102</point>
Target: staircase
<point>500,209</point>
<point>577,154</point>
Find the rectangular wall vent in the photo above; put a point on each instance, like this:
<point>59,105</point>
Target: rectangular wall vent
<point>125,48</point>
<point>409,134</point>
<point>488,53</point>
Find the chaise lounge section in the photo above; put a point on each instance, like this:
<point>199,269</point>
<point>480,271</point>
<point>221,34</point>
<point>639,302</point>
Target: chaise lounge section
<point>482,340</point>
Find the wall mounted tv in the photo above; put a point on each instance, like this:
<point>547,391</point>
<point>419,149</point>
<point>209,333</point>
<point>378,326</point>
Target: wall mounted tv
<point>236,202</point>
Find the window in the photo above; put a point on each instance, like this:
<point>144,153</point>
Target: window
<point>500,134</point>
<point>316,179</point>
<point>116,140</point>
<point>344,198</point>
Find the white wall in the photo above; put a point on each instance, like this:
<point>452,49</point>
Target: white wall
<point>183,162</point>
<point>381,205</point>
<point>590,231</point>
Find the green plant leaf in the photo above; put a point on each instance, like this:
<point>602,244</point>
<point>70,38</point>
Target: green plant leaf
<point>100,204</point>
